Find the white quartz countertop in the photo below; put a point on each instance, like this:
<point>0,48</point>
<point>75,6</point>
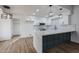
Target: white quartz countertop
<point>60,29</point>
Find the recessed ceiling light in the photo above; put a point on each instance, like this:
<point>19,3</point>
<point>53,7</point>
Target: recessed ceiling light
<point>37,10</point>
<point>34,13</point>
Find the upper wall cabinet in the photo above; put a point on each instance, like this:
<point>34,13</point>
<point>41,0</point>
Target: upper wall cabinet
<point>61,10</point>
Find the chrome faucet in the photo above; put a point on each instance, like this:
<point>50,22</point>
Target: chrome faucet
<point>55,27</point>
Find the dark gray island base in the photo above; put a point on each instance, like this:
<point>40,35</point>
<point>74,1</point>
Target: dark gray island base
<point>51,41</point>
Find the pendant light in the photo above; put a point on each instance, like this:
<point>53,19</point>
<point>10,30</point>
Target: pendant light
<point>6,15</point>
<point>50,11</point>
<point>60,15</point>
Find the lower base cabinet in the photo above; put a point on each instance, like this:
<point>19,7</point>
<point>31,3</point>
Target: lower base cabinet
<point>51,41</point>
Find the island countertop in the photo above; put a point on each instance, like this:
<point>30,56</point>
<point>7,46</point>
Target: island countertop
<point>60,29</point>
<point>37,37</point>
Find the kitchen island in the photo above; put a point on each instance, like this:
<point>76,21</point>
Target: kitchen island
<point>49,38</point>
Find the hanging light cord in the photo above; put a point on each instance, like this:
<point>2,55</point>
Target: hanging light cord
<point>50,8</point>
<point>50,11</point>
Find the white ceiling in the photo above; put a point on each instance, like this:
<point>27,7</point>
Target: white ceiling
<point>28,10</point>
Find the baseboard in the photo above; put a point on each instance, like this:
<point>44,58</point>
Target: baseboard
<point>3,39</point>
<point>25,36</point>
<point>75,42</point>
<point>15,35</point>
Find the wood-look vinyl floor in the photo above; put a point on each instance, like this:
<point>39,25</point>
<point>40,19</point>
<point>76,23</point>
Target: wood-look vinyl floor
<point>25,45</point>
<point>69,47</point>
<point>17,45</point>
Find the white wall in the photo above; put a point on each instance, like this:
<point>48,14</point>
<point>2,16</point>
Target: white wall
<point>75,20</point>
<point>5,29</point>
<point>26,28</point>
<point>16,26</point>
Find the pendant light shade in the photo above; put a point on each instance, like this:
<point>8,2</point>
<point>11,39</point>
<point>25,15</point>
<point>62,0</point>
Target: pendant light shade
<point>50,11</point>
<point>6,14</point>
